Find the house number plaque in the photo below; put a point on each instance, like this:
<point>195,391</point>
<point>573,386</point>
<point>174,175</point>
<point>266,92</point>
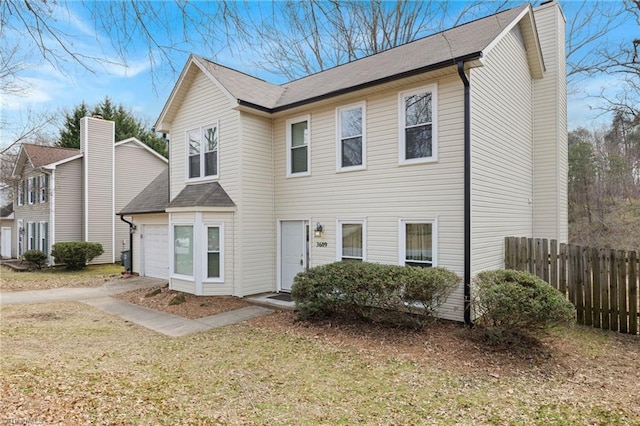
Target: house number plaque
<point>321,244</point>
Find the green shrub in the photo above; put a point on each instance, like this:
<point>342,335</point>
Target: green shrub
<point>35,257</point>
<point>510,302</point>
<point>75,255</point>
<point>399,295</point>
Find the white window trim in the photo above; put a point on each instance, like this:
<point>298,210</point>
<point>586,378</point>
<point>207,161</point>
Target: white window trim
<point>205,251</point>
<point>41,233</point>
<point>31,190</point>
<point>289,123</point>
<point>339,224</point>
<point>172,272</point>
<point>202,177</point>
<point>433,89</point>
<point>31,226</point>
<point>20,238</point>
<point>43,188</point>
<point>402,239</point>
<point>21,192</point>
<point>363,166</point>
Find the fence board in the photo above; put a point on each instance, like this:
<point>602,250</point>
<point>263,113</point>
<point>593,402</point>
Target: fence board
<point>622,290</point>
<point>597,309</point>
<point>604,287</point>
<point>603,284</point>
<point>633,293</point>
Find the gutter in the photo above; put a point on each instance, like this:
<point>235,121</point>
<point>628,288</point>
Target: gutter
<point>132,228</point>
<point>467,194</point>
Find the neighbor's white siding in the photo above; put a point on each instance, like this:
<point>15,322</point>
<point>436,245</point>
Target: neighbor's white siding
<point>385,192</point>
<point>550,130</point>
<point>68,205</point>
<point>135,169</point>
<point>502,152</point>
<point>255,221</point>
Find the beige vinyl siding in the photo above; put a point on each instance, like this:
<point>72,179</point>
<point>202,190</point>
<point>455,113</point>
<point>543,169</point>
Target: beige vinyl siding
<point>255,222</point>
<point>385,192</point>
<point>99,163</point>
<point>205,104</point>
<point>68,206</point>
<point>550,130</point>
<point>139,221</point>
<point>502,163</point>
<point>135,168</point>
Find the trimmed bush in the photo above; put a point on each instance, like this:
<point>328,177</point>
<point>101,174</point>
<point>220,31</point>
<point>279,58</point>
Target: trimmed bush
<point>510,302</point>
<point>398,295</point>
<point>75,255</point>
<point>35,257</point>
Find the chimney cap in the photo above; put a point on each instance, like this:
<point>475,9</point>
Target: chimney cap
<point>98,116</point>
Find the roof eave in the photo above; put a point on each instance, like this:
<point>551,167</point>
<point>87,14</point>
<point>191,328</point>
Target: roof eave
<point>432,67</point>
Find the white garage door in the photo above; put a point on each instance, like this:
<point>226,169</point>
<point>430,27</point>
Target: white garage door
<point>155,251</point>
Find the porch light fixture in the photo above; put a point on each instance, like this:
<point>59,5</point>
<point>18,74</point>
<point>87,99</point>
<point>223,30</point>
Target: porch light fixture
<point>318,231</point>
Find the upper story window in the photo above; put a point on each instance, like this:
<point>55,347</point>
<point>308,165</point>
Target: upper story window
<point>43,187</point>
<point>203,152</point>
<point>418,125</point>
<point>417,243</point>
<point>298,142</point>
<point>351,240</point>
<point>21,192</point>
<point>351,139</point>
<point>31,190</point>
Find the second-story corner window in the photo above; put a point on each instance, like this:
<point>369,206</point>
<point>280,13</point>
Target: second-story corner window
<point>44,187</point>
<point>31,190</point>
<point>418,125</point>
<point>351,146</point>
<point>21,192</point>
<point>298,141</point>
<point>203,152</point>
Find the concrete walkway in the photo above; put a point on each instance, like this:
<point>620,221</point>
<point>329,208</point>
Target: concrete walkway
<point>161,322</point>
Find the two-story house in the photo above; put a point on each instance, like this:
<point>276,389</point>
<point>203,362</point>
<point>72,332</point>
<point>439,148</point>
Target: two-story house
<point>426,154</point>
<point>73,194</point>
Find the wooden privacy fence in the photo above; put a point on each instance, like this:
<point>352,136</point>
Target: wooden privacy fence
<point>603,284</point>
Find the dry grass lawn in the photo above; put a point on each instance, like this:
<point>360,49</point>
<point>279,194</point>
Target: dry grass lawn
<point>91,276</point>
<point>70,364</point>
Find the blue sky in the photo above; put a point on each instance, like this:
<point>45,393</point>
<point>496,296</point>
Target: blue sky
<point>133,86</point>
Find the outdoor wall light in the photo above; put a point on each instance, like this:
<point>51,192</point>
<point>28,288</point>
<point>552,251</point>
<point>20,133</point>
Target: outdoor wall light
<point>318,231</point>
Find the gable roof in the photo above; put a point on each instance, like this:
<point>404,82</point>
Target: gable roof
<point>40,155</point>
<point>152,199</point>
<point>466,42</point>
<point>202,195</point>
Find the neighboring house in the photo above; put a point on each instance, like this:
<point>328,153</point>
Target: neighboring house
<point>6,230</point>
<point>426,154</point>
<point>73,194</point>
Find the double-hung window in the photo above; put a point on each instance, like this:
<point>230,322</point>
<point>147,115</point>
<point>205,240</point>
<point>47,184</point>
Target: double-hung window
<point>203,152</point>
<point>214,262</point>
<point>21,193</point>
<point>418,243</point>
<point>183,250</point>
<point>31,236</point>
<point>43,187</point>
<point>31,190</point>
<point>298,143</point>
<point>351,140</point>
<point>351,241</point>
<point>418,125</point>
<point>43,237</point>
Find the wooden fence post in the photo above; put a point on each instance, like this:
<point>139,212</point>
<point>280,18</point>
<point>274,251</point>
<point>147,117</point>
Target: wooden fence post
<point>562,282</point>
<point>604,287</point>
<point>613,291</point>
<point>578,286</point>
<point>586,279</point>
<point>545,260</point>
<point>553,259</point>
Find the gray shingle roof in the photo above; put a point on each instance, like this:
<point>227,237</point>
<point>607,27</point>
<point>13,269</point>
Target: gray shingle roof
<point>153,199</point>
<point>436,51</point>
<point>41,155</point>
<point>202,195</point>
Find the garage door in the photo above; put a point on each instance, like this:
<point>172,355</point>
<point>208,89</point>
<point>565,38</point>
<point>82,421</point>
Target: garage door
<point>155,252</point>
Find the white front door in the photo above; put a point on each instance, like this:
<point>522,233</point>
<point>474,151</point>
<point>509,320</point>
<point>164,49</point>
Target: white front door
<point>5,243</point>
<point>293,251</point>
